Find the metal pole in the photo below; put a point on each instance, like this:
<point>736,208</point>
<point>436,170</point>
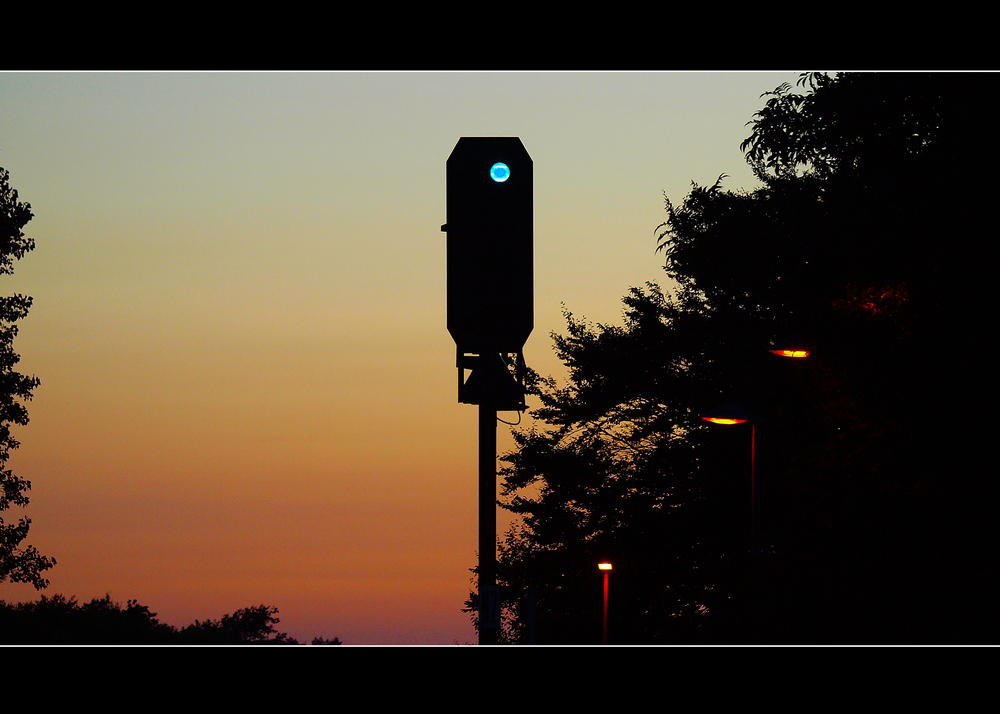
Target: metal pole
<point>754,494</point>
<point>755,557</point>
<point>487,519</point>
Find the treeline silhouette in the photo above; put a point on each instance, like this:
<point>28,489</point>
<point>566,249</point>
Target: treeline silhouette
<point>19,563</point>
<point>58,620</point>
<point>61,621</point>
<point>870,238</point>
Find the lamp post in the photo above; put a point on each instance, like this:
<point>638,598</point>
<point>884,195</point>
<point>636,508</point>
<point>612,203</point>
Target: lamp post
<point>733,414</point>
<point>606,567</point>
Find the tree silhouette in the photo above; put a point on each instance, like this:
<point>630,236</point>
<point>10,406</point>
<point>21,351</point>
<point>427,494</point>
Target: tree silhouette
<point>19,564</point>
<point>64,621</point>
<point>250,625</point>
<point>870,237</point>
<point>866,238</point>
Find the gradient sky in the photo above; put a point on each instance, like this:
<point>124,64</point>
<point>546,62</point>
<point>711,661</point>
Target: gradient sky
<point>248,389</point>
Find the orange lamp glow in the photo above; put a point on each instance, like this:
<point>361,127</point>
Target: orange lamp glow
<point>790,347</point>
<point>728,414</point>
<point>604,566</point>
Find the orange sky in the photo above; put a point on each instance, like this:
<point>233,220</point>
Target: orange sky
<point>248,390</point>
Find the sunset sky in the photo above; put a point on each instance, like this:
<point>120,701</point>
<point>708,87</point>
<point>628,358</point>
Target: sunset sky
<point>248,391</point>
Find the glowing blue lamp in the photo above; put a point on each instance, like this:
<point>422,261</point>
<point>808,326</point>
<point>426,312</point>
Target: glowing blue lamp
<point>499,172</point>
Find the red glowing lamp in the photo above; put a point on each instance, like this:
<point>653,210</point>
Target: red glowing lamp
<point>605,566</point>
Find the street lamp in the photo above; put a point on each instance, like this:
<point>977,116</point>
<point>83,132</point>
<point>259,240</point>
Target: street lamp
<point>733,414</point>
<point>790,347</point>
<point>606,567</point>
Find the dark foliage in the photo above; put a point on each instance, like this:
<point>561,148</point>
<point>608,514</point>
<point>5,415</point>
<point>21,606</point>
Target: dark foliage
<point>58,620</point>
<point>62,621</point>
<point>248,626</point>
<point>18,563</point>
<point>868,239</point>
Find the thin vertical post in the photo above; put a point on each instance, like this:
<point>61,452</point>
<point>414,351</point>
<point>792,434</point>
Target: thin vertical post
<point>754,494</point>
<point>487,521</point>
<point>755,556</point>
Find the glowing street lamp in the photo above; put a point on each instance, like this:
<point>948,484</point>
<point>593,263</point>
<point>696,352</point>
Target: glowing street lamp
<point>733,414</point>
<point>790,347</point>
<point>606,567</point>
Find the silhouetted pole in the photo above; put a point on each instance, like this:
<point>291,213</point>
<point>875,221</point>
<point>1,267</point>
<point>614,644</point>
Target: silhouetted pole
<point>487,520</point>
<point>490,310</point>
<point>530,617</point>
<point>755,615</point>
<point>754,497</point>
<point>734,414</point>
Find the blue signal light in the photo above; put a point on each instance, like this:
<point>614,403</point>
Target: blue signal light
<point>499,172</point>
